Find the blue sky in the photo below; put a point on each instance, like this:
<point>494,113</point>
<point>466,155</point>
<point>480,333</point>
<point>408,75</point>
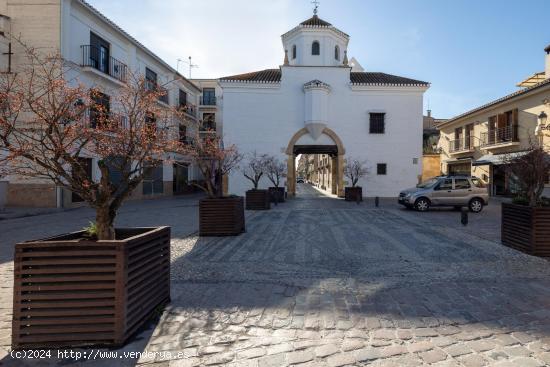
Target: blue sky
<point>471,51</point>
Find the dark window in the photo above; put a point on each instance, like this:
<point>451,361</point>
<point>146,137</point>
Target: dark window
<point>315,48</point>
<point>152,178</point>
<point>462,183</point>
<point>337,53</point>
<point>208,122</point>
<point>376,123</point>
<point>209,96</point>
<point>151,120</point>
<point>99,53</point>
<point>183,134</point>
<point>117,170</point>
<point>150,78</point>
<point>381,169</point>
<point>100,109</point>
<point>182,98</point>
<point>293,52</point>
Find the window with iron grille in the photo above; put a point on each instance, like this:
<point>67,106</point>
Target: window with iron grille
<point>377,123</point>
<point>381,169</point>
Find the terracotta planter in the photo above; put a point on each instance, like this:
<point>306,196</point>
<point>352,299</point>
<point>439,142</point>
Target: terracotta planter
<point>526,229</point>
<point>277,194</point>
<point>353,193</point>
<point>257,200</point>
<point>221,216</point>
<point>70,291</point>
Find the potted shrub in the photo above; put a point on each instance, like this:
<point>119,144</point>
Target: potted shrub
<point>97,286</point>
<point>526,220</point>
<point>253,170</point>
<point>275,171</point>
<point>219,215</point>
<point>354,169</point>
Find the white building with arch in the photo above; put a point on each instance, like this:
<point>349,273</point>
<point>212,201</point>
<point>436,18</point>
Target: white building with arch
<point>316,102</point>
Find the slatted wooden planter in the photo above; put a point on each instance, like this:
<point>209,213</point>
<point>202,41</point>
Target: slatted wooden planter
<point>221,216</point>
<point>353,193</point>
<point>526,229</point>
<point>257,200</point>
<point>73,292</point>
<point>277,194</point>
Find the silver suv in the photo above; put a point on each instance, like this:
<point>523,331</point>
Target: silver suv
<point>457,191</point>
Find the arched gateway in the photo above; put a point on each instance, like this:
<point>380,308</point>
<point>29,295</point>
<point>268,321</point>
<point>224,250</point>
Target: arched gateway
<point>328,143</point>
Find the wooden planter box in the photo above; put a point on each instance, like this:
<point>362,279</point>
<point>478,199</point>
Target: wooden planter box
<point>277,194</point>
<point>526,229</point>
<point>221,216</point>
<point>353,193</point>
<point>257,200</point>
<point>72,292</point>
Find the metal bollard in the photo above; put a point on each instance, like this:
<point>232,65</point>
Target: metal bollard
<point>376,201</point>
<point>464,216</point>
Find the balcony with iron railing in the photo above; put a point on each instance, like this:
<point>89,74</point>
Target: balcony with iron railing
<point>462,145</point>
<point>208,101</point>
<point>189,109</point>
<point>99,59</point>
<point>501,136</point>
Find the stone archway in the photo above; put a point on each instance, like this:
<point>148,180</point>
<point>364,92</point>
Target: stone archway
<point>337,162</point>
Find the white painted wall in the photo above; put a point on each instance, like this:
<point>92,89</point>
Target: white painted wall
<point>265,117</point>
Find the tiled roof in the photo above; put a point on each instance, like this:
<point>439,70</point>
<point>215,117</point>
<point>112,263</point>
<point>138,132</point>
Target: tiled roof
<point>500,100</point>
<point>315,21</point>
<point>383,79</point>
<point>262,76</point>
<point>274,76</point>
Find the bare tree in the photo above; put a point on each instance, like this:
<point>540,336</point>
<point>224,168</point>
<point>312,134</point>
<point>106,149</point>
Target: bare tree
<point>531,168</point>
<point>255,168</point>
<point>355,169</point>
<point>49,122</point>
<point>214,161</point>
<point>275,170</point>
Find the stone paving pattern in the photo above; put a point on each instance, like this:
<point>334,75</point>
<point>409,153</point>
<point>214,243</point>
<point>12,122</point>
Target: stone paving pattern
<point>321,282</point>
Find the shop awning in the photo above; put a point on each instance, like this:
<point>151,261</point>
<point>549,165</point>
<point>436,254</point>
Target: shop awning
<point>497,159</point>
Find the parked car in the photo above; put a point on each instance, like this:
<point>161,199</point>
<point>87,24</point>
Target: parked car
<point>300,180</point>
<point>457,191</point>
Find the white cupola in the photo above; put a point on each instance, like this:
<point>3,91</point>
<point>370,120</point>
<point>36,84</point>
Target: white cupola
<point>315,42</point>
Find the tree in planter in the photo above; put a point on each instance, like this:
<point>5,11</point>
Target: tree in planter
<point>275,171</point>
<point>49,122</point>
<point>355,169</point>
<point>255,168</point>
<point>531,170</point>
<point>214,161</point>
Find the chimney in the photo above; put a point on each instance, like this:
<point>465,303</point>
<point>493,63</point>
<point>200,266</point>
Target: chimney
<point>547,63</point>
<point>429,113</point>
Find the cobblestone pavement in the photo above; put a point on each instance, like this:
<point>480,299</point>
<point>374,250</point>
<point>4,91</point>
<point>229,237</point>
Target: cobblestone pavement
<point>320,282</point>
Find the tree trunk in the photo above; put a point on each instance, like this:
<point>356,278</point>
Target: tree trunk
<point>105,223</point>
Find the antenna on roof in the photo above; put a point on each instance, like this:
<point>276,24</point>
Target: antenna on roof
<point>190,63</point>
<point>316,8</point>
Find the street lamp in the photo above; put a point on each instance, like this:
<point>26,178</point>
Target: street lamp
<point>542,118</point>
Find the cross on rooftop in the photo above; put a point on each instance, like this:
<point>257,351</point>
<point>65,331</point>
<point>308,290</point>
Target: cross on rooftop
<point>315,9</point>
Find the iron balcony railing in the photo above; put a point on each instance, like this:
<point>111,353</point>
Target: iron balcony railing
<point>208,101</point>
<point>501,135</point>
<point>99,59</point>
<point>155,87</point>
<point>462,144</point>
<point>189,109</point>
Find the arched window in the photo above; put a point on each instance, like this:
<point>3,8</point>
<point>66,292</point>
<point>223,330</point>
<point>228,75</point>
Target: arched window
<point>315,48</point>
<point>293,52</point>
<point>337,53</point>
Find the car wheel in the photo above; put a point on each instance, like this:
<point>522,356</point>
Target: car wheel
<point>476,205</point>
<point>422,204</point>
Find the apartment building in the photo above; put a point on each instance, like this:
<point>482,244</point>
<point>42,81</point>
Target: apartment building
<point>103,55</point>
<point>478,142</point>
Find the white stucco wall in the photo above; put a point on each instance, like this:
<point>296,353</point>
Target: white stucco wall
<point>264,117</point>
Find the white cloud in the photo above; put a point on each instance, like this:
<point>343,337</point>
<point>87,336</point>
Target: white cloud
<point>223,37</point>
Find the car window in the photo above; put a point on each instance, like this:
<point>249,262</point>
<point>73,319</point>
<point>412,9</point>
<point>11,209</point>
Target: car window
<point>462,183</point>
<point>446,184</point>
<point>478,183</point>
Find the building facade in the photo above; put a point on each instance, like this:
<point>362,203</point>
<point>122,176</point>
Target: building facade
<point>318,103</point>
<point>103,55</point>
<point>480,141</point>
<point>210,106</point>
